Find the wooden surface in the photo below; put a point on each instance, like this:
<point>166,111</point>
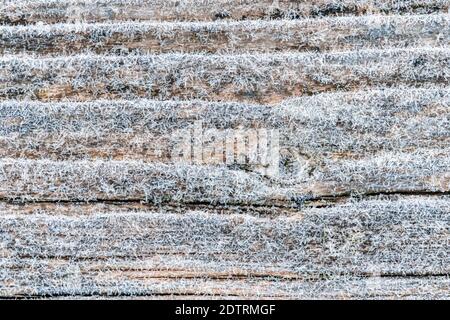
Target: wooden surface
<point>305,35</point>
<point>94,95</point>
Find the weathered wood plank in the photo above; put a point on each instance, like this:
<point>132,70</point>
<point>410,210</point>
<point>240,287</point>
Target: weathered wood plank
<point>375,231</point>
<point>53,11</point>
<point>332,144</point>
<point>349,197</point>
<point>256,78</point>
<point>357,245</point>
<point>419,171</point>
<point>344,33</point>
<point>344,125</point>
<point>135,180</point>
<point>342,288</point>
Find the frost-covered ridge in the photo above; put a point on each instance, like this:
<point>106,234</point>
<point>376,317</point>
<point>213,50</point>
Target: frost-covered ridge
<point>54,11</point>
<point>225,149</point>
<point>337,33</point>
<point>261,78</point>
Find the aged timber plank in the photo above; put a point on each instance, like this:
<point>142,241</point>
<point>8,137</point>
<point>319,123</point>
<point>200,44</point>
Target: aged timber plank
<point>266,78</point>
<point>344,125</point>
<point>53,11</point>
<point>418,171</point>
<point>367,243</point>
<point>343,33</point>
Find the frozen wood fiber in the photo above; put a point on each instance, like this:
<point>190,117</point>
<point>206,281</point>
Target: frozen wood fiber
<point>345,125</point>
<point>342,33</point>
<point>263,78</point>
<point>424,170</point>
<point>99,200</point>
<point>145,253</point>
<point>54,11</point>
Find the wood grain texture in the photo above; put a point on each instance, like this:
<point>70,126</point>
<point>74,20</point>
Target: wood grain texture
<point>162,252</point>
<point>267,78</point>
<point>339,125</point>
<point>313,35</point>
<point>54,11</point>
<point>232,149</point>
<point>424,171</point>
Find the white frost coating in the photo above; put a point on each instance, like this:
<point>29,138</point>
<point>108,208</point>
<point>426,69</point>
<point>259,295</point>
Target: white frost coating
<point>128,180</point>
<point>342,33</point>
<point>248,77</point>
<point>354,123</point>
<point>399,237</point>
<point>424,170</point>
<point>18,12</point>
<point>358,91</point>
